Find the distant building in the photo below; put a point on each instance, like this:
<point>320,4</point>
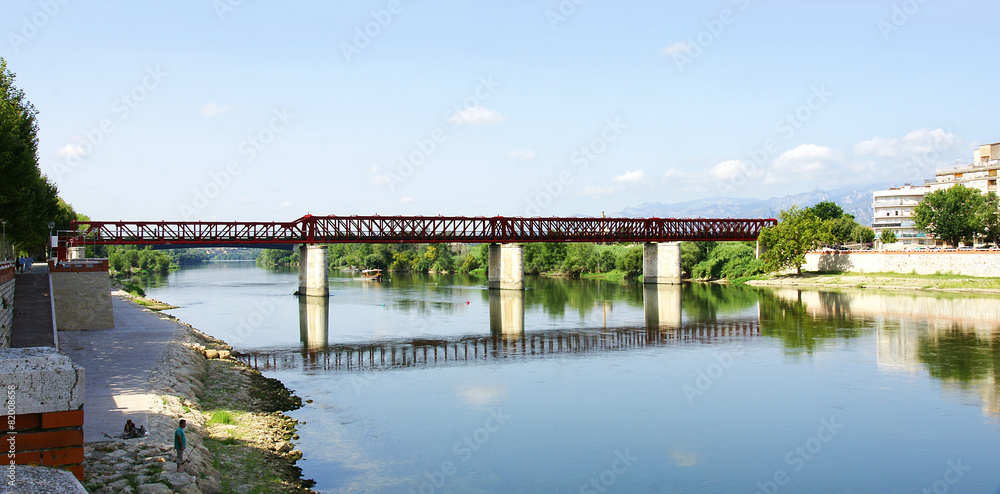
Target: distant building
<point>894,207</point>
<point>894,211</point>
<point>981,174</point>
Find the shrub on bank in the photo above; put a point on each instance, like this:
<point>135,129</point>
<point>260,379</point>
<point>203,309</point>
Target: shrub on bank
<point>730,260</point>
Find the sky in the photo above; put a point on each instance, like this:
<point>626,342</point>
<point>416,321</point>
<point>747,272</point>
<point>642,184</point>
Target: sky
<point>247,110</point>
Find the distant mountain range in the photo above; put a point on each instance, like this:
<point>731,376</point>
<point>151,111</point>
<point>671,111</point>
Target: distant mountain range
<point>854,201</point>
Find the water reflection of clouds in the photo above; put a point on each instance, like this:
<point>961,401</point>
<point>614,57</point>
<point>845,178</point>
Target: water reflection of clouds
<point>481,395</point>
<point>684,459</point>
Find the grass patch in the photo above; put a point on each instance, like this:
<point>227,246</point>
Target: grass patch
<point>609,276</point>
<point>133,289</point>
<point>222,417</point>
<point>743,280</point>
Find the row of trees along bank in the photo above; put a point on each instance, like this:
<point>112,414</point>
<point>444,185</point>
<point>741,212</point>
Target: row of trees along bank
<point>29,201</point>
<point>567,259</point>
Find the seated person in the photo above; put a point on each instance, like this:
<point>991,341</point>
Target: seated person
<point>131,431</point>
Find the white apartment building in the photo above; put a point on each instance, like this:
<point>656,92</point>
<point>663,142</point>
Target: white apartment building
<point>894,208</point>
<point>894,211</point>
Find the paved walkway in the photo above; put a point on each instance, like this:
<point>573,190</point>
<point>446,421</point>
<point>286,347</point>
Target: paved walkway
<point>118,363</point>
<point>32,309</point>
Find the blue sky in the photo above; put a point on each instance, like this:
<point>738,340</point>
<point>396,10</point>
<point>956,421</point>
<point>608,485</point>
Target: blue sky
<point>254,110</point>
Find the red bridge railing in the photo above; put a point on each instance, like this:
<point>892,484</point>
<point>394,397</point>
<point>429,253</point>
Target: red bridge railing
<point>415,229</point>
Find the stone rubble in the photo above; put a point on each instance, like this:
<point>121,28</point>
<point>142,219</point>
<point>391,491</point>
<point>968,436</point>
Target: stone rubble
<point>147,465</point>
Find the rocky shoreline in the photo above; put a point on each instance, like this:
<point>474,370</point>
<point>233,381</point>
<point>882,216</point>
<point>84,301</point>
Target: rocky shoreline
<point>239,439</point>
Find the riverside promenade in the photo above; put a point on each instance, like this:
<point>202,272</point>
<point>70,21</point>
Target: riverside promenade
<point>118,363</point>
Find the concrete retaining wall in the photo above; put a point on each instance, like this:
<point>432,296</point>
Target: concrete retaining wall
<point>969,263</point>
<point>43,400</point>
<point>81,292</point>
<point>6,303</point>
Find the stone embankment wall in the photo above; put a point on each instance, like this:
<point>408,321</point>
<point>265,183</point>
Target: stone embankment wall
<point>6,303</point>
<point>968,263</point>
<point>81,293</point>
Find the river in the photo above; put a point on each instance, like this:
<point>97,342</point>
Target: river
<point>432,383</point>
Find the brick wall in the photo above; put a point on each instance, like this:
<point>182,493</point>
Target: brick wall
<point>43,393</point>
<point>51,439</point>
<point>6,302</point>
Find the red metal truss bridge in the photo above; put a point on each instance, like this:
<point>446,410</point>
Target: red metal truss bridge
<point>412,229</point>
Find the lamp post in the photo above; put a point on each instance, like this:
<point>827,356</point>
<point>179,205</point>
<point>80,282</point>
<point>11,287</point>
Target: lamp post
<point>3,252</point>
<point>49,249</point>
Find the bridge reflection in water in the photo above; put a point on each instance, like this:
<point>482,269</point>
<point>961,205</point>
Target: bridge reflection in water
<point>506,341</point>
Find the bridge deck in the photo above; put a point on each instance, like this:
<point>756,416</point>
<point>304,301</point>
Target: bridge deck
<point>415,229</point>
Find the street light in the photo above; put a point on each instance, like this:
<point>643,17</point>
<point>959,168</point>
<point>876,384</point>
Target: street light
<point>3,253</point>
<point>49,249</point>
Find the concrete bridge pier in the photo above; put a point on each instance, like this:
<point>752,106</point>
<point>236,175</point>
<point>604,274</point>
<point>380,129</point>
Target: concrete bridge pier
<point>314,278</point>
<point>506,270</point>
<point>661,263</point>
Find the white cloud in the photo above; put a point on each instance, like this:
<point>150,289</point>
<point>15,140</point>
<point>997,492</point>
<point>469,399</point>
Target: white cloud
<point>678,47</point>
<point>523,155</point>
<point>72,150</point>
<point>806,162</point>
<point>381,180</point>
<point>632,178</point>
<point>405,200</point>
<point>732,171</point>
<point>599,190</point>
<point>285,204</point>
<point>674,174</point>
<point>375,169</point>
<point>878,146</point>
<point>918,142</point>
<point>476,116</point>
<point>212,109</point>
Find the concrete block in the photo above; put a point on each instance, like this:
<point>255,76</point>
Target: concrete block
<point>41,380</point>
<point>32,479</point>
<point>82,300</point>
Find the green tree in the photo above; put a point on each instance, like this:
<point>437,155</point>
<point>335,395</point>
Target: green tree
<point>862,234</point>
<point>28,200</point>
<point>888,237</point>
<point>798,232</point>
<point>839,230</point>
<point>990,218</point>
<point>631,262</point>
<point>952,214</point>
<point>827,210</point>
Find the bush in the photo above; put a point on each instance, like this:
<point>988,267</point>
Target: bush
<point>729,260</point>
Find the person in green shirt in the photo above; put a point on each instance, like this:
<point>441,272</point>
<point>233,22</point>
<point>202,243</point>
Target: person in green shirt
<point>180,442</point>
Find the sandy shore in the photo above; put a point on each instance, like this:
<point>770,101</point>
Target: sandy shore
<point>885,281</point>
<point>239,439</point>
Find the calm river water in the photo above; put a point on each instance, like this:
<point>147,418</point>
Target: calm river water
<point>433,384</point>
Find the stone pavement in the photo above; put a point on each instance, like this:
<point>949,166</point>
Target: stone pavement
<point>32,309</point>
<point>118,363</point>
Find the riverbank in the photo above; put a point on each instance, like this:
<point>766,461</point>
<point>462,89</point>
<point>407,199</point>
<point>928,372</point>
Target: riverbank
<point>239,439</point>
<point>884,281</point>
